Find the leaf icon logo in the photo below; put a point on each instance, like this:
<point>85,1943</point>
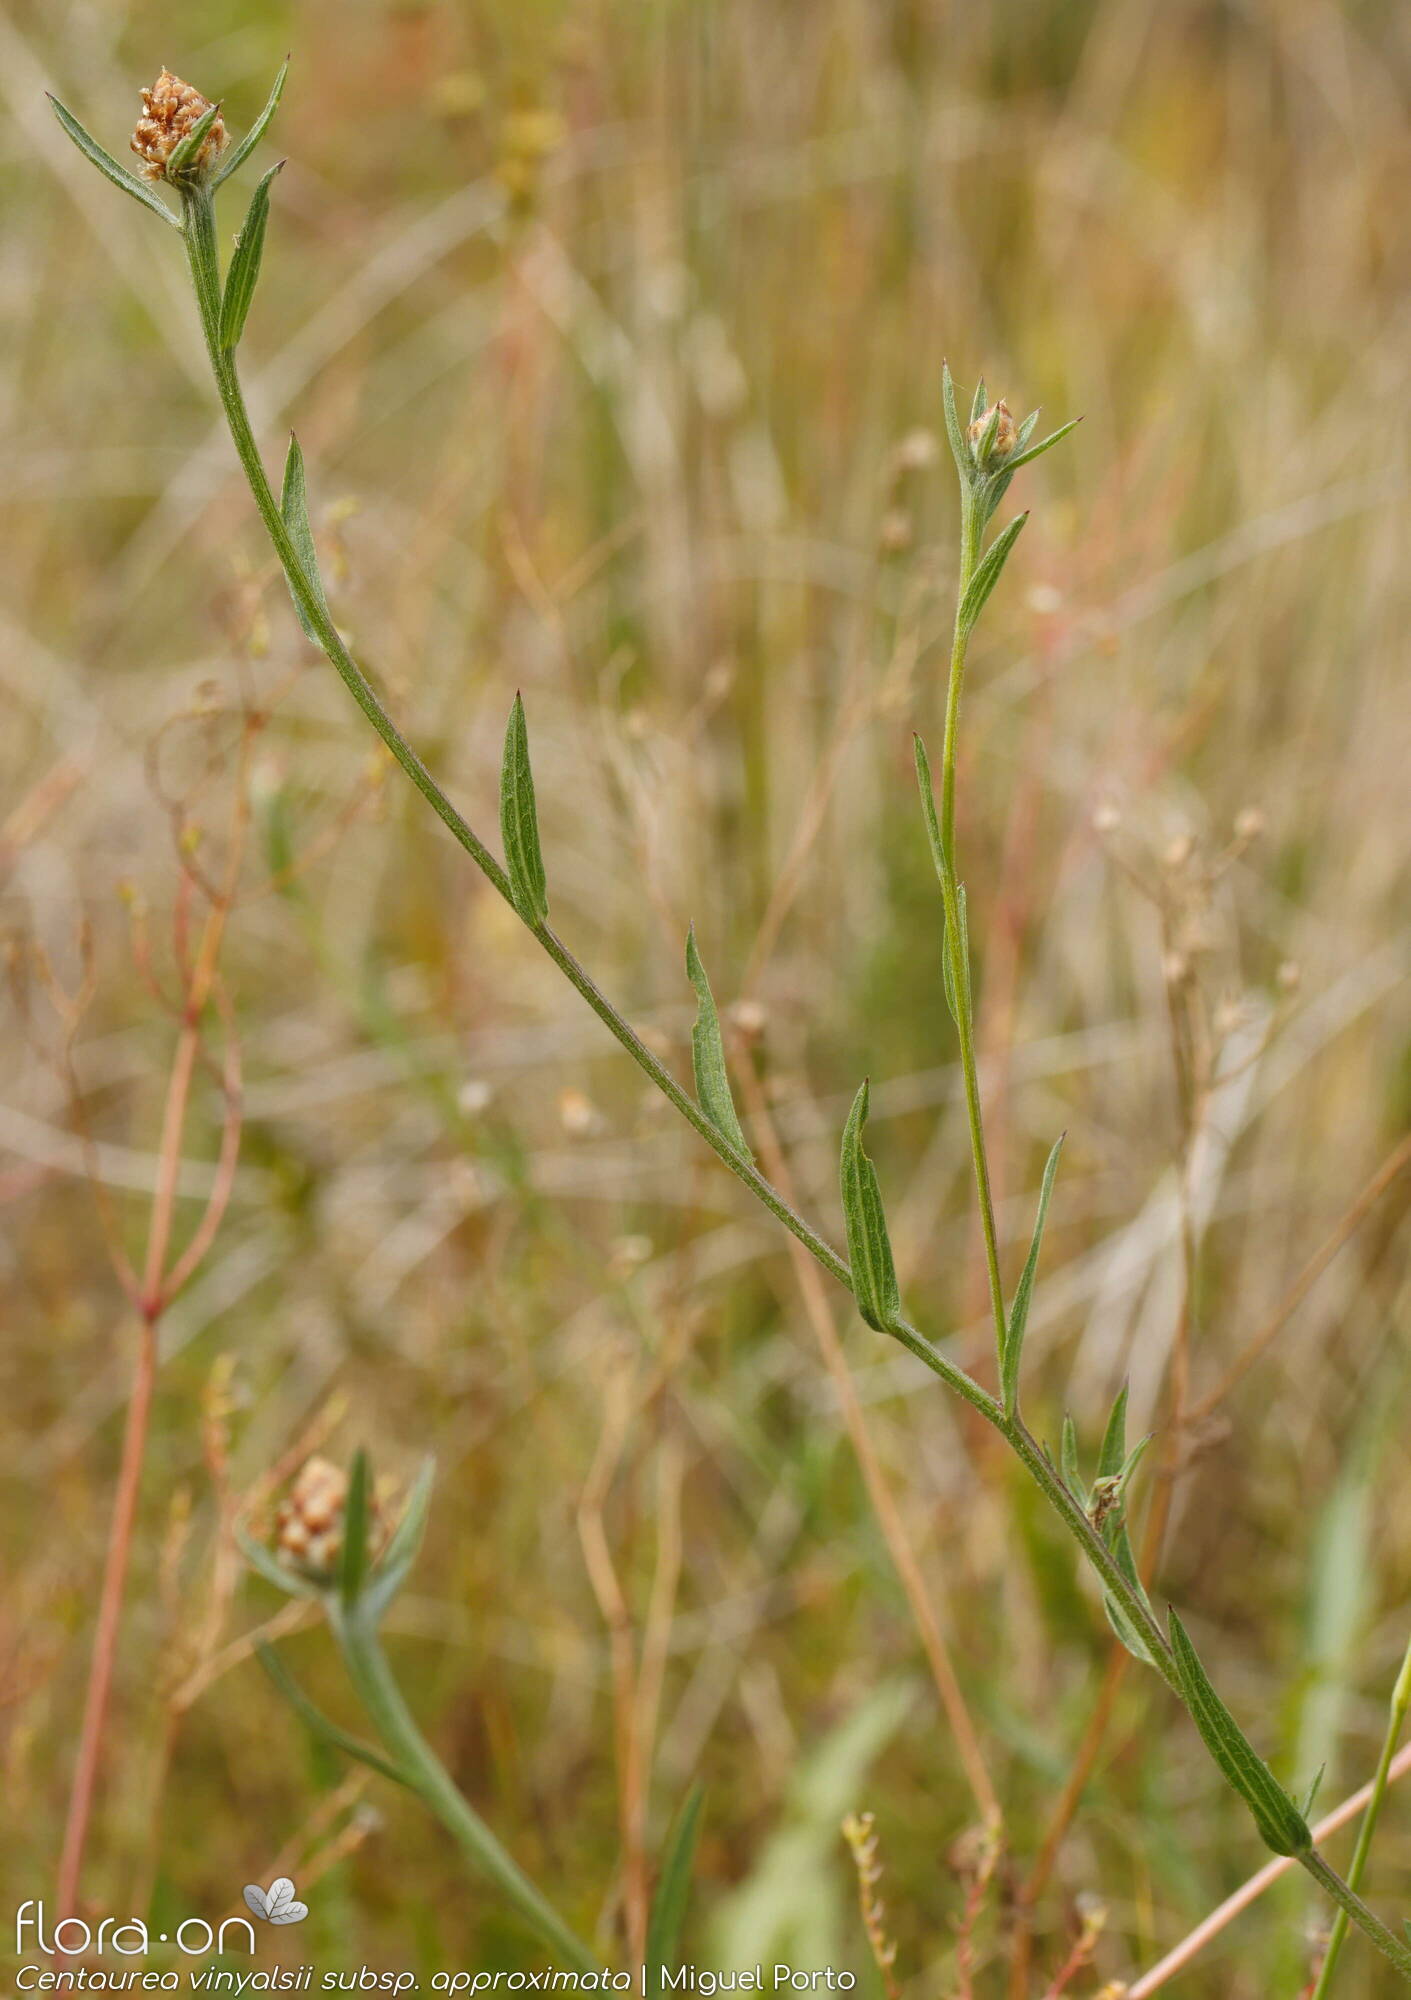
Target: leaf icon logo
<point>275,1904</point>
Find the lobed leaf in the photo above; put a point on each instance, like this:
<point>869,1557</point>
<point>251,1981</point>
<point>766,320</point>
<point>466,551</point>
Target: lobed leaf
<point>244,272</point>
<point>1024,1290</point>
<point>109,167</point>
<point>519,823</point>
<point>668,1909</point>
<point>987,573</point>
<point>294,506</point>
<point>1281,1825</point>
<point>238,154</point>
<point>874,1276</point>
<point>708,1056</point>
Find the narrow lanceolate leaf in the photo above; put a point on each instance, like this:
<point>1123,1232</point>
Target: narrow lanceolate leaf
<point>1115,1466</point>
<point>267,1563</point>
<point>185,150</point>
<point>960,451</point>
<point>109,167</point>
<point>987,572</point>
<point>1281,1825</point>
<point>238,154</point>
<point>708,1056</point>
<point>319,1725</point>
<point>357,1511</point>
<point>980,403</point>
<point>244,272</point>
<point>294,506</point>
<point>1068,1461</point>
<point>519,823</point>
<point>668,1911</point>
<point>1044,444</point>
<point>928,807</point>
<point>392,1568</point>
<point>1024,1291</point>
<point>874,1275</point>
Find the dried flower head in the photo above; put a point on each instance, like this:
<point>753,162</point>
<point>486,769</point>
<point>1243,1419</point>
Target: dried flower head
<point>170,111</point>
<point>1003,438</point>
<point>309,1524</point>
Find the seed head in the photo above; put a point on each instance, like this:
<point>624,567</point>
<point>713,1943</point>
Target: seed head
<point>1003,440</point>
<point>170,108</point>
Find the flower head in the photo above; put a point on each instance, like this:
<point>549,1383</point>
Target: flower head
<point>1002,437</point>
<point>171,110</point>
<point>309,1524</point>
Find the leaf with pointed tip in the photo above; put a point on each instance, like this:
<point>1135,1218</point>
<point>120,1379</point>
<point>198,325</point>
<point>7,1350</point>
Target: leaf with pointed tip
<point>987,572</point>
<point>668,1910</point>
<point>109,167</point>
<point>1124,1629</point>
<point>980,403</point>
<point>241,152</point>
<point>320,1725</point>
<point>1116,1466</point>
<point>960,451</point>
<point>243,275</point>
<point>519,822</point>
<point>928,806</point>
<point>874,1276</point>
<point>294,506</point>
<point>708,1056</point>
<point>1044,444</point>
<point>1313,1791</point>
<point>185,150</point>
<point>392,1567</point>
<point>357,1511</point>
<point>1281,1825</point>
<point>1114,1438</point>
<point>1068,1461</point>
<point>1024,1290</point>
<point>268,1565</point>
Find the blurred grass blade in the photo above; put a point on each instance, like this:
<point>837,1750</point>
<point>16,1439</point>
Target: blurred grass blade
<point>1024,1291</point>
<point>185,150</point>
<point>402,1551</point>
<point>109,167</point>
<point>319,1725</point>
<point>352,1567</point>
<point>1044,444</point>
<point>708,1055</point>
<point>271,1568</point>
<point>987,572</point>
<point>238,154</point>
<point>673,1890</point>
<point>294,506</point>
<point>874,1277</point>
<point>244,272</point>
<point>519,822</point>
<point>1281,1825</point>
<point>959,449</point>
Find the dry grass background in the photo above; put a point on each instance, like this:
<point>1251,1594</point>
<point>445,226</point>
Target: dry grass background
<point>602,327</point>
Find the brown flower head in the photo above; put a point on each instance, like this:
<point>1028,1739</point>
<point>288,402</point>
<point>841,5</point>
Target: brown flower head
<point>1005,435</point>
<point>169,111</point>
<point>309,1523</point>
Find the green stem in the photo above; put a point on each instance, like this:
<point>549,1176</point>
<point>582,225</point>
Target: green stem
<point>377,1688</point>
<point>375,1681</point>
<point>1396,1717</point>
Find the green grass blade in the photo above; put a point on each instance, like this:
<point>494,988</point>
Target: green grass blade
<point>109,167</point>
<point>874,1276</point>
<point>1024,1291</point>
<point>987,573</point>
<point>1281,1825</point>
<point>519,822</point>
<point>244,272</point>
<point>708,1055</point>
<point>673,1890</point>
<point>238,154</point>
<point>319,1725</point>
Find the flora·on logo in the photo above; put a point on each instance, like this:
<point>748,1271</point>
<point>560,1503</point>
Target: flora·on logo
<point>126,1935</point>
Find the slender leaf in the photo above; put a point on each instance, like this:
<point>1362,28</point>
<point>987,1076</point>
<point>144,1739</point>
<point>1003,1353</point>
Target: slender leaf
<point>519,822</point>
<point>928,807</point>
<point>1044,444</point>
<point>241,152</point>
<point>979,403</point>
<point>357,1512</point>
<point>1025,430</point>
<point>874,1276</point>
<point>668,1910</point>
<point>320,1725</point>
<point>294,506</point>
<point>1115,1468</point>
<point>708,1056</point>
<point>960,451</point>
<point>267,1563</point>
<point>185,150</point>
<point>391,1570</point>
<point>1024,1290</point>
<point>1124,1629</point>
<point>1281,1825</point>
<point>1068,1461</point>
<point>109,167</point>
<point>987,572</point>
<point>1114,1439</point>
<point>244,272</point>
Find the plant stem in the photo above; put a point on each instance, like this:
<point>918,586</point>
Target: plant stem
<point>201,251</point>
<point>377,1687</point>
<point>1396,1717</point>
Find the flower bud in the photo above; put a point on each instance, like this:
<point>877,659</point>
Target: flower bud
<point>170,111</point>
<point>1002,440</point>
